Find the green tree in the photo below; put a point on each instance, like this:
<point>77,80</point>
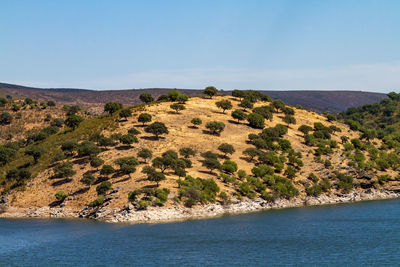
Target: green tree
<point>246,103</point>
<point>211,164</point>
<point>196,122</point>
<point>216,127</point>
<point>305,129</point>
<point>238,93</point>
<point>144,117</point>
<point>229,166</point>
<point>256,120</point>
<point>155,177</point>
<point>226,149</point>
<point>103,188</point>
<point>177,107</point>
<point>73,121</point>
<point>210,91</point>
<point>61,196</point>
<point>107,170</point>
<point>5,118</point>
<point>88,148</point>
<point>289,119</point>
<point>146,98</point>
<point>251,152</point>
<point>224,105</point>
<point>128,139</point>
<point>125,113</point>
<point>187,152</point>
<point>331,117</point>
<point>96,162</point>
<point>35,152</point>
<point>173,95</point>
<point>69,146</point>
<point>88,178</point>
<point>239,115</point>
<point>145,154</point>
<point>182,98</point>
<point>157,128</point>
<point>64,170</point>
<point>278,105</point>
<point>112,107</point>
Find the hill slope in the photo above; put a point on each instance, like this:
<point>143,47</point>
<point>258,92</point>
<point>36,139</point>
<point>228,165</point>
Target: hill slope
<point>321,101</point>
<point>279,164</point>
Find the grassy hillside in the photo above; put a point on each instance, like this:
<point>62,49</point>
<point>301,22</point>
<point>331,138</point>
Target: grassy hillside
<point>221,149</point>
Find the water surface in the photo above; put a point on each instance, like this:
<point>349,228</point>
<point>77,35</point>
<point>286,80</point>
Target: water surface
<point>366,233</point>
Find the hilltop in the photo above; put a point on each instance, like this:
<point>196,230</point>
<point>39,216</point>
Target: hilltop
<point>320,101</point>
<point>193,156</point>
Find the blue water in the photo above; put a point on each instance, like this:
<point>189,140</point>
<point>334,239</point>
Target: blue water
<point>357,234</point>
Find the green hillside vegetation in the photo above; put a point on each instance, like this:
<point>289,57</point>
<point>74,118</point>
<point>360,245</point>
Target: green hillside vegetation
<point>279,158</point>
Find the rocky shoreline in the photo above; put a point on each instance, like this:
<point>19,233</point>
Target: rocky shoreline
<point>178,213</point>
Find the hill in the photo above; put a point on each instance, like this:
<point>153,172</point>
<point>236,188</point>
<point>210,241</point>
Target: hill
<point>126,166</point>
<point>320,101</point>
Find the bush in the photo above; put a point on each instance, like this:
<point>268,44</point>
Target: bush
<point>345,182</point>
<point>96,162</point>
<point>256,120</point>
<point>88,148</point>
<point>289,119</point>
<point>146,98</point>
<point>97,202</point>
<point>198,190</point>
<point>107,170</point>
<point>64,170</point>
<point>5,118</point>
<point>144,117</point>
<point>196,122</point>
<point>88,178</point>
<point>262,170</point>
<point>61,196</point>
<point>69,146</point>
<point>128,139</point>
<point>224,105</point>
<point>314,190</point>
<point>215,127</point>
<point>102,188</point>
<point>133,131</point>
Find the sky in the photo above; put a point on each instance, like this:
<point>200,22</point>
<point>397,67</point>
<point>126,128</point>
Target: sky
<point>248,44</point>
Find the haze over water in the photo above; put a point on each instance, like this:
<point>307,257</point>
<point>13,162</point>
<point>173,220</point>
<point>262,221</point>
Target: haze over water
<point>357,234</point>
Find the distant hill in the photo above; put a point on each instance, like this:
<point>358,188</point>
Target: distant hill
<point>330,101</point>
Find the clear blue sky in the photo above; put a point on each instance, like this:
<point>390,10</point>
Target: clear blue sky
<point>191,44</point>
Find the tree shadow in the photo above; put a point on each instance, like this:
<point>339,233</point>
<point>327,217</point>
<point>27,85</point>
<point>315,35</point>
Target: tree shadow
<point>61,182</point>
<point>100,179</point>
<point>234,122</point>
<point>208,172</point>
<point>193,127</point>
<point>81,191</point>
<point>210,133</point>
<point>80,161</point>
<point>123,147</point>
<point>122,180</point>
<point>151,138</point>
<point>55,203</point>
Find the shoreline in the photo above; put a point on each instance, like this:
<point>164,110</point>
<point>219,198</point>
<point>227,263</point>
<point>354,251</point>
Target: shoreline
<point>178,213</point>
